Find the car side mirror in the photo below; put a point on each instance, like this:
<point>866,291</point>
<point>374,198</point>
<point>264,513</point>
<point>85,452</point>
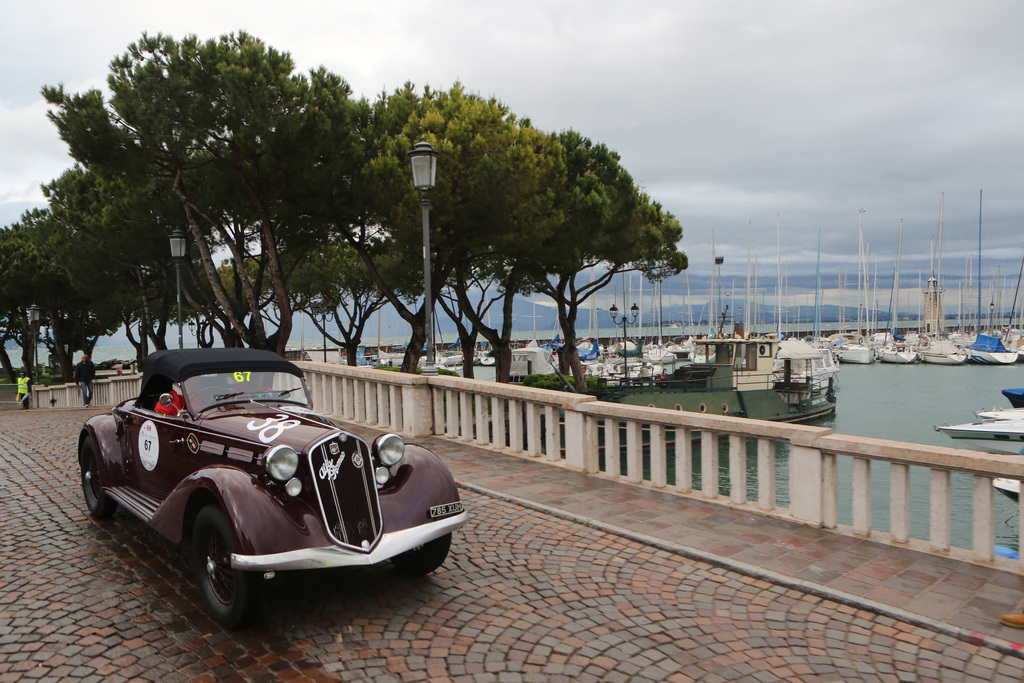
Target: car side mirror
<point>166,399</point>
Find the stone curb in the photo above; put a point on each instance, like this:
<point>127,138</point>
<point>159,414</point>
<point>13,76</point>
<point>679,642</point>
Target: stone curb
<point>974,637</point>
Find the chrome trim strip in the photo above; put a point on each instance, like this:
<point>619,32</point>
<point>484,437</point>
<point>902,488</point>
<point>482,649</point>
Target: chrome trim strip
<point>391,544</point>
<point>366,472</point>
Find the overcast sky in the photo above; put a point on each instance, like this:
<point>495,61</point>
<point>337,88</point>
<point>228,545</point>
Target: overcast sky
<point>737,116</point>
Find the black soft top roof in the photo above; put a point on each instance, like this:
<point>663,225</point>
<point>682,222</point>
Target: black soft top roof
<point>180,364</point>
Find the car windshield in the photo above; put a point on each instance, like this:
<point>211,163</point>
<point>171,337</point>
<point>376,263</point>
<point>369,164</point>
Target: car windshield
<point>204,391</point>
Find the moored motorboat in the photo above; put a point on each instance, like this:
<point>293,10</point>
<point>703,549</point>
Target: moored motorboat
<point>1015,397</point>
<point>741,381</point>
<point>860,354</point>
<point>1008,487</point>
<point>996,436</point>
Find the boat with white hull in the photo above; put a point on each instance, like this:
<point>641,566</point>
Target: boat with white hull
<point>989,350</point>
<point>897,353</point>
<point>995,436</point>
<point>860,354</point>
<point>942,352</point>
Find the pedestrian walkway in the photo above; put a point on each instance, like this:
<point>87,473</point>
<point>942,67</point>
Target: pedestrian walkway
<point>557,577</point>
<point>964,597</point>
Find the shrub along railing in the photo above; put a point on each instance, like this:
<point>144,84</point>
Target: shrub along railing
<point>853,485</point>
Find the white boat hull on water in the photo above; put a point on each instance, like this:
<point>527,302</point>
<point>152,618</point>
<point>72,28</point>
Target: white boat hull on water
<point>897,354</point>
<point>943,358</point>
<point>855,353</point>
<point>995,436</point>
<point>1009,487</point>
<point>942,352</point>
<point>992,357</point>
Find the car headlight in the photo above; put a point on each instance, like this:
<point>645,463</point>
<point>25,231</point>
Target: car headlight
<point>282,462</point>
<point>390,449</point>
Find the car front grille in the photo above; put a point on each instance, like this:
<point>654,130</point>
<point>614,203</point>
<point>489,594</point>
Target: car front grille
<point>345,486</point>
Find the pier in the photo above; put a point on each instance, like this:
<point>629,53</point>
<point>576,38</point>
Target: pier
<point>597,549</point>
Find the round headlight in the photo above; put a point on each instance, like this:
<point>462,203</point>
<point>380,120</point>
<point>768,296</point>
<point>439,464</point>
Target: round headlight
<point>381,475</point>
<point>390,449</point>
<point>293,487</point>
<point>282,462</point>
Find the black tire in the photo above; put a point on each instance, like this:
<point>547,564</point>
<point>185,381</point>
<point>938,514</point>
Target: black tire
<point>233,596</point>
<point>100,506</point>
<point>425,558</point>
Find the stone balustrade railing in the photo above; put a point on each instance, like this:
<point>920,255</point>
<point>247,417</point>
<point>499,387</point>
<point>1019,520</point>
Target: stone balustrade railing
<point>797,472</point>
<point>106,391</point>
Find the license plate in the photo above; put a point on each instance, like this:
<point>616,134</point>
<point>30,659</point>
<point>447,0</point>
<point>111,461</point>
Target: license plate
<point>446,509</point>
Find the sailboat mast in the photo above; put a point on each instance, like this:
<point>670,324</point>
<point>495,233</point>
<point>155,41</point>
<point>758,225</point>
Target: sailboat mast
<point>746,295</point>
<point>778,289</point>
<point>817,292</point>
<point>978,327</point>
<point>862,277</point>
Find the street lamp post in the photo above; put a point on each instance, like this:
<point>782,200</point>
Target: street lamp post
<point>634,315</point>
<point>424,173</point>
<point>33,317</point>
<point>320,313</point>
<point>178,247</point>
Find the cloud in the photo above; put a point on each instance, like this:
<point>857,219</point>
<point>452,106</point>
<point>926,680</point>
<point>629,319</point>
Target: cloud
<point>737,117</point>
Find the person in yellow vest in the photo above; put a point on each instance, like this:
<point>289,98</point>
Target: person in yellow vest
<point>23,390</point>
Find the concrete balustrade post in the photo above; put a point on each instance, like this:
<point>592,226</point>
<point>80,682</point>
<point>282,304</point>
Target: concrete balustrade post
<point>805,484</point>
<point>417,410</point>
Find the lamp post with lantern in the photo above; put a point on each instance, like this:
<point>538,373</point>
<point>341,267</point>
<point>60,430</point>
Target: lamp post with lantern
<point>424,173</point>
<point>178,247</point>
<point>33,318</point>
<point>634,315</point>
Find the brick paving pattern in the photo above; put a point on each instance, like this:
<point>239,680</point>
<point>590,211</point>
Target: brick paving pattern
<point>524,597</point>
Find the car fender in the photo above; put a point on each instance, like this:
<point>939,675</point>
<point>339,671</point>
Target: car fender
<point>263,518</point>
<point>103,429</point>
<point>420,482</point>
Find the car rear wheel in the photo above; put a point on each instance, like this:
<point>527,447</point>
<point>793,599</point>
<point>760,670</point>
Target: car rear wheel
<point>100,506</point>
<point>425,558</point>
<point>233,596</point>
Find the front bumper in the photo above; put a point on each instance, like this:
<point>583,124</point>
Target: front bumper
<point>391,544</point>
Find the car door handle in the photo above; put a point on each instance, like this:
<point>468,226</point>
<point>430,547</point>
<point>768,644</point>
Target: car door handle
<point>176,441</point>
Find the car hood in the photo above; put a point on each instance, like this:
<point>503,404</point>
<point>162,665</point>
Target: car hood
<point>269,425</point>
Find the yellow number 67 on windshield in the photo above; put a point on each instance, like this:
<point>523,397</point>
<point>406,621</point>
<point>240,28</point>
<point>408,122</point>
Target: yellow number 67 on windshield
<point>243,376</point>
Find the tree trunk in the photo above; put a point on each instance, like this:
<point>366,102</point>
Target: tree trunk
<point>351,349</point>
<point>414,351</point>
<point>5,361</point>
<point>502,361</point>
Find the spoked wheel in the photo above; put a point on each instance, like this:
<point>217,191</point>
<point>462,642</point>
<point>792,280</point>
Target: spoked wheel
<point>425,558</point>
<point>232,595</point>
<point>99,505</point>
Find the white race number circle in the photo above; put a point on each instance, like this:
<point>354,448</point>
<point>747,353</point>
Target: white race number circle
<point>149,445</point>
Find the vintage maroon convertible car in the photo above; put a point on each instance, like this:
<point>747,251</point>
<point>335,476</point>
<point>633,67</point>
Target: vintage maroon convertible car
<point>254,481</point>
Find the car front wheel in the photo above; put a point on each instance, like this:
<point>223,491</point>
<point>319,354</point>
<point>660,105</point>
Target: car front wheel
<point>233,596</point>
<point>100,506</point>
<point>425,558</point>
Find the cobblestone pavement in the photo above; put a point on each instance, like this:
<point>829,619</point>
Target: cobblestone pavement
<point>523,597</point>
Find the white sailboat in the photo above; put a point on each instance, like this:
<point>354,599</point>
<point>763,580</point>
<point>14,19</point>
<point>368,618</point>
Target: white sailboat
<point>853,351</point>
<point>942,352</point>
<point>897,352</point>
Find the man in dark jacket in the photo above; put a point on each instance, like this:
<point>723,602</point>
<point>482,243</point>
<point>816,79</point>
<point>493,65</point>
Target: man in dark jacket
<point>84,372</point>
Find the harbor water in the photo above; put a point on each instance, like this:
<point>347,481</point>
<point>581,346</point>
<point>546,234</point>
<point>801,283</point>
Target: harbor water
<point>905,403</point>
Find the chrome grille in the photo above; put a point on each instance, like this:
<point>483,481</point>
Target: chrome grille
<point>346,490</point>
